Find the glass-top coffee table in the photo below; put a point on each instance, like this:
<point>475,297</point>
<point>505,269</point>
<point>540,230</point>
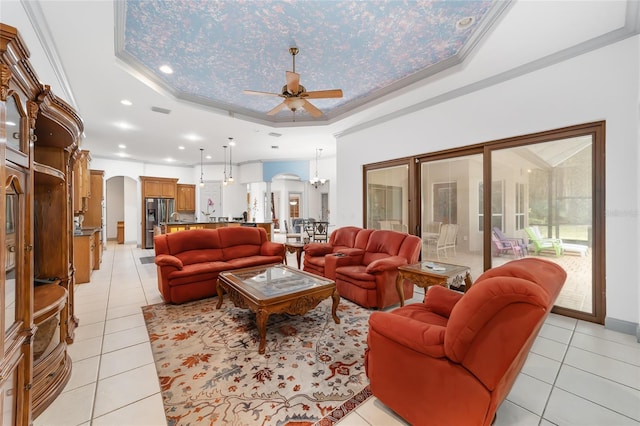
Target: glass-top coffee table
<point>275,289</point>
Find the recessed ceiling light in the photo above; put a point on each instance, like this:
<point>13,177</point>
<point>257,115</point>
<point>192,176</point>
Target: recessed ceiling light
<point>193,137</point>
<point>122,154</point>
<point>208,157</point>
<point>123,125</point>
<point>122,146</point>
<point>166,69</point>
<point>126,102</point>
<point>181,147</point>
<point>169,160</point>
<point>465,23</point>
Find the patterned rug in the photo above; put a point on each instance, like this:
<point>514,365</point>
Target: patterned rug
<point>210,371</point>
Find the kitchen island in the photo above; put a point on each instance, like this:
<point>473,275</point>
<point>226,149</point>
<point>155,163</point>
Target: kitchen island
<point>169,227</point>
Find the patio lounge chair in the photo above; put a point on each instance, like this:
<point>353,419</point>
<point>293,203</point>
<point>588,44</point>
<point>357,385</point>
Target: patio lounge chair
<point>540,243</point>
<point>521,242</point>
<point>504,247</point>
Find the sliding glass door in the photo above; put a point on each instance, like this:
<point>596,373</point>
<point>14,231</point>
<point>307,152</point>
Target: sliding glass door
<point>539,195</point>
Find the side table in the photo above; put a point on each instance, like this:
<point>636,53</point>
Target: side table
<point>294,248</point>
<point>426,274</point>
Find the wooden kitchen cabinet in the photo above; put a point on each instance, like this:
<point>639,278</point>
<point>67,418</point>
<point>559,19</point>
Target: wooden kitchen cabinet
<point>157,187</point>
<point>186,201</point>
<point>81,182</point>
<point>84,247</point>
<point>93,217</point>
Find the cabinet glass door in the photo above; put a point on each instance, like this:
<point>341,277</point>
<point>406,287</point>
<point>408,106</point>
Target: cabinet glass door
<point>10,247</point>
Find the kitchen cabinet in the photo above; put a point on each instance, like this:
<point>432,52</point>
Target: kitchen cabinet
<point>84,256</point>
<point>93,217</point>
<point>186,201</point>
<point>158,187</point>
<point>81,182</point>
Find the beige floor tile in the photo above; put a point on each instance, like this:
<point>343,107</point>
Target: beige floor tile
<point>122,339</point>
<point>125,359</point>
<point>146,412</point>
<point>69,408</point>
<point>118,391</point>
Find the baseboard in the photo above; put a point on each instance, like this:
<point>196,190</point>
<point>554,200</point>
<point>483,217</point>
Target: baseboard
<point>621,326</point>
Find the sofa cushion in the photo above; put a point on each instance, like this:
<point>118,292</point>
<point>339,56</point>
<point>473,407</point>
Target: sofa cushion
<point>241,241</point>
<point>196,239</point>
<point>248,261</point>
<point>191,257</point>
<point>356,275</point>
<point>197,272</point>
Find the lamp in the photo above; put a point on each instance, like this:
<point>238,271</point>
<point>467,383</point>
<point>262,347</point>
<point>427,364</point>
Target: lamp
<point>201,168</point>
<point>231,144</point>
<point>316,181</point>
<point>224,182</point>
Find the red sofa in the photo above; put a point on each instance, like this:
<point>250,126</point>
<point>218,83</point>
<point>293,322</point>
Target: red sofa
<point>364,264</point>
<point>188,262</point>
<point>453,359</point>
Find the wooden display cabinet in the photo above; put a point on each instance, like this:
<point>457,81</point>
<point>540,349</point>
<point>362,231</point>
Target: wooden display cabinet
<point>186,198</point>
<point>84,249</point>
<point>40,133</point>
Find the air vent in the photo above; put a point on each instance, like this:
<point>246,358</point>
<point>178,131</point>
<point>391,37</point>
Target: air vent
<point>160,110</point>
<point>275,135</point>
<point>275,147</point>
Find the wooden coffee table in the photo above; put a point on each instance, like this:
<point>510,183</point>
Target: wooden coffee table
<point>270,289</point>
<point>426,274</point>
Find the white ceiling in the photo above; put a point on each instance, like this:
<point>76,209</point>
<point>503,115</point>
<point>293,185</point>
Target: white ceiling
<point>72,46</point>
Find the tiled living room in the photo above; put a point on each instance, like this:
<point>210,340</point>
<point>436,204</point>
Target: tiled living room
<point>577,373</point>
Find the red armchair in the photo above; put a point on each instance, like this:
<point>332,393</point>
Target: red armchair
<point>367,277</point>
<point>453,359</point>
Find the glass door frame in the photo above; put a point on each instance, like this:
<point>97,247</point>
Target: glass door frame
<point>595,129</point>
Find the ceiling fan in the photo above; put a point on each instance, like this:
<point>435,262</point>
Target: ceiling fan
<point>295,95</point>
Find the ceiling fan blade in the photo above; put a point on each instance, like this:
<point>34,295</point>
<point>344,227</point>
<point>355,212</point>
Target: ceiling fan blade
<point>312,110</point>
<point>293,82</point>
<point>336,93</point>
<point>255,92</point>
<point>277,109</point>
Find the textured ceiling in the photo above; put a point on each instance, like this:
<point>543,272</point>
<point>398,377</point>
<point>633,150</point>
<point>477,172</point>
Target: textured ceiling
<point>366,48</point>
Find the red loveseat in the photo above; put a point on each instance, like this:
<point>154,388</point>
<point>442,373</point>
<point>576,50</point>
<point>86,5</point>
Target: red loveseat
<point>188,262</point>
<point>364,264</point>
<point>453,359</point>
<point>343,240</point>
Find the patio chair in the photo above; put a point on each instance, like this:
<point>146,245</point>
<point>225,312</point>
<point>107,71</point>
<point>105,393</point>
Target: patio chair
<point>447,239</point>
<point>504,247</point>
<point>521,242</point>
<point>540,243</point>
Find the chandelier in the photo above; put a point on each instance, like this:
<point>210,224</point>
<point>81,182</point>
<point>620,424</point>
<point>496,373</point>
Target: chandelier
<point>316,181</point>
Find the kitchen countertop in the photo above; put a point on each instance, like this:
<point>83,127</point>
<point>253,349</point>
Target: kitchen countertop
<point>86,232</point>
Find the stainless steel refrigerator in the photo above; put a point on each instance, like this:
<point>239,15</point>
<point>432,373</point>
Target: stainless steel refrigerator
<point>158,210</point>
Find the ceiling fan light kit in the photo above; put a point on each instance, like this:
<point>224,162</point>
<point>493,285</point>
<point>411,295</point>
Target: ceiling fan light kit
<point>295,94</point>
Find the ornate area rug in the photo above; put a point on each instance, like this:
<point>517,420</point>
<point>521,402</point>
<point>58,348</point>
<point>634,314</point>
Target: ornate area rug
<point>210,371</point>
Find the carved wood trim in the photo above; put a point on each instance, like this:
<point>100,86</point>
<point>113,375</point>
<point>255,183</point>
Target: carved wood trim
<point>5,77</point>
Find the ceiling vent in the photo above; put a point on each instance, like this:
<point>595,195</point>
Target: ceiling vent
<point>275,135</point>
<point>275,147</point>
<point>160,110</point>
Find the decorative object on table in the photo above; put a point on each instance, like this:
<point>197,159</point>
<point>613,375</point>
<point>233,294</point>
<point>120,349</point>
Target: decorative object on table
<point>210,210</point>
<point>210,370</point>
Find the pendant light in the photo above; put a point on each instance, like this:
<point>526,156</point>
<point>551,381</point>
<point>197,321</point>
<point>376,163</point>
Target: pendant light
<point>201,168</point>
<point>225,182</point>
<point>231,144</point>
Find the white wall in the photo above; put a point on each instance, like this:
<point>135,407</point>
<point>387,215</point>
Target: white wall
<point>599,85</point>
